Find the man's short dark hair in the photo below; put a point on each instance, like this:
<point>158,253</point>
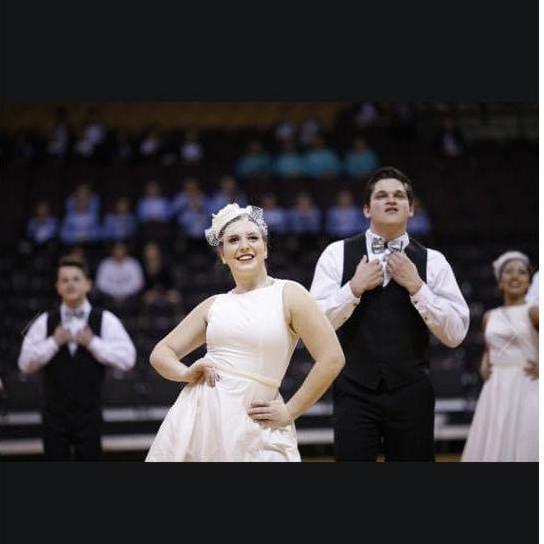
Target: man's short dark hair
<point>74,260</point>
<point>388,172</point>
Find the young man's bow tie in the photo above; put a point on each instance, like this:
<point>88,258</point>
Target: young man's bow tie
<point>379,245</point>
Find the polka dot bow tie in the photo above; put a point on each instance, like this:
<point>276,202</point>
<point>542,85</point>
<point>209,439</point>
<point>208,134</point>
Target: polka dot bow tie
<point>379,245</point>
<point>74,313</point>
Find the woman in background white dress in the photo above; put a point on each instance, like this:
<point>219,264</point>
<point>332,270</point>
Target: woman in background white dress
<point>231,409</point>
<point>505,423</point>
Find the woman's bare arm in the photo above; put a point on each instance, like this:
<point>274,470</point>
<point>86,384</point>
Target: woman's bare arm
<point>189,335</point>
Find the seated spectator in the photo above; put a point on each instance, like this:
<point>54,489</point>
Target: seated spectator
<point>58,141</point>
<point>120,276</point>
<point>121,223</point>
<point>151,144</point>
<point>304,216</point>
<point>367,115</point>
<point>43,226</point>
<point>345,219</point>
<point>274,215</point>
<point>419,224</point>
<point>194,218</point>
<point>81,223</point>
<point>228,193</point>
<point>449,141</point>
<point>285,131</point>
<point>191,150</point>
<point>159,286</point>
<point>83,191</point>
<point>124,146</point>
<point>309,131</point>
<point>321,161</point>
<point>153,206</point>
<point>361,160</point>
<point>289,163</point>
<point>92,134</point>
<point>255,162</point>
<point>189,187</point>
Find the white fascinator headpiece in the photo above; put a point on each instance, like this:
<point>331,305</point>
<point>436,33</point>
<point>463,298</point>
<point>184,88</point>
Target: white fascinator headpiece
<point>229,213</point>
<point>499,263</point>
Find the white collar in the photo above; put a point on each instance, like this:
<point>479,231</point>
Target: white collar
<point>85,306</point>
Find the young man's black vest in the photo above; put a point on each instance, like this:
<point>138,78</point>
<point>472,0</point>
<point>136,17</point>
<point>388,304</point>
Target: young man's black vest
<point>385,338</point>
<point>72,383</point>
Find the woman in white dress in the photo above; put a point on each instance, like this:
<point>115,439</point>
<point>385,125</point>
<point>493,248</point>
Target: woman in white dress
<point>505,423</point>
<point>230,409</point>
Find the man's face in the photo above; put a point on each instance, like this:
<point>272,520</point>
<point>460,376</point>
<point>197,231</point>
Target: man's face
<point>72,285</point>
<point>389,204</point>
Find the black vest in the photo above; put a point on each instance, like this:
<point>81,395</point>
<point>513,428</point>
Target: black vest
<point>73,383</point>
<point>385,337</point>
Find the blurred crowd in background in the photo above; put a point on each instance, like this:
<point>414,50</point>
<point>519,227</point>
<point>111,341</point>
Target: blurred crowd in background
<point>133,198</point>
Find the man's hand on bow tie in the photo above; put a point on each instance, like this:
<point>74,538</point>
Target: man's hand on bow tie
<point>404,272</point>
<point>368,275</point>
<point>84,336</point>
<point>61,335</point>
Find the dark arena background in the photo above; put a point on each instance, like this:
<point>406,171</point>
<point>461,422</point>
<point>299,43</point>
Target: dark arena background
<point>67,169</point>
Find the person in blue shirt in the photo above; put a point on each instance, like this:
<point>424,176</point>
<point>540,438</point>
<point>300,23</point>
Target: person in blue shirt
<point>121,223</point>
<point>153,206</point>
<point>189,187</point>
<point>344,219</point>
<point>254,163</point>
<point>321,161</point>
<point>83,191</point>
<point>228,193</point>
<point>289,163</point>
<point>43,226</point>
<point>304,216</point>
<point>361,160</point>
<point>194,218</point>
<point>419,224</point>
<point>274,215</point>
<point>81,224</point>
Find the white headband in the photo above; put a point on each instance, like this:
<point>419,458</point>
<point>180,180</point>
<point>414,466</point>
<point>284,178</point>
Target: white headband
<point>504,258</point>
<point>227,214</point>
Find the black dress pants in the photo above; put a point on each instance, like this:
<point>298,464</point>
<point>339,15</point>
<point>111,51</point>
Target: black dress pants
<point>399,422</point>
<point>72,435</point>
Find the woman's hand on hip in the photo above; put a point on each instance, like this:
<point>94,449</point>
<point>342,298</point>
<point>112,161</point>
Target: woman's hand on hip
<point>203,369</point>
<point>272,413</point>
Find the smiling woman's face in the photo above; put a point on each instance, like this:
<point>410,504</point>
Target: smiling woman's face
<point>515,278</point>
<point>243,247</point>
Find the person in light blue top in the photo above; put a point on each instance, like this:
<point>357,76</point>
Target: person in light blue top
<point>81,224</point>
<point>274,215</point>
<point>228,193</point>
<point>83,191</point>
<point>255,162</point>
<point>189,187</point>
<point>43,226</point>
<point>304,216</point>
<point>361,160</point>
<point>289,163</point>
<point>321,161</point>
<point>153,206</point>
<point>194,218</point>
<point>344,219</point>
<point>119,224</point>
<point>419,224</point>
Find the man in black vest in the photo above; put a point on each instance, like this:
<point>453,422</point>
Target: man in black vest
<point>384,292</point>
<point>71,346</point>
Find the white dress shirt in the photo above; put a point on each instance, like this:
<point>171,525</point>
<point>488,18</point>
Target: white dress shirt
<point>113,348</point>
<point>120,278</point>
<point>439,301</point>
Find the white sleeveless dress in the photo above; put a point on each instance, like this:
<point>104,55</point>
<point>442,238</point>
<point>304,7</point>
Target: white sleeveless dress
<point>505,423</point>
<point>249,341</point>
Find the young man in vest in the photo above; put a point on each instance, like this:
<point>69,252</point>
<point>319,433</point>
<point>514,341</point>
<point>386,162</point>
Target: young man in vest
<point>384,292</point>
<point>72,346</point>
